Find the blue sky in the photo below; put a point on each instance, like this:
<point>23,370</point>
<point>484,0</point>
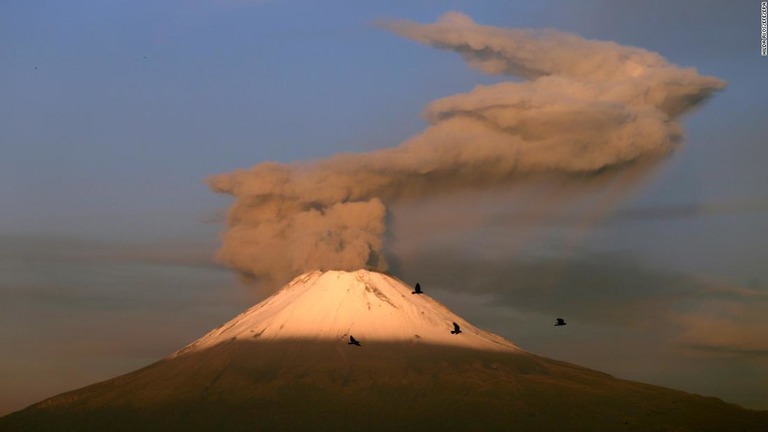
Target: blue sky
<point>114,113</point>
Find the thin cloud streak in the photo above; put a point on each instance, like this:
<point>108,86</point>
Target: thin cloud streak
<point>641,214</point>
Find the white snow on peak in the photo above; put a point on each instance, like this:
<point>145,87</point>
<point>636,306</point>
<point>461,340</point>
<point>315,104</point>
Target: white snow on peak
<point>332,305</point>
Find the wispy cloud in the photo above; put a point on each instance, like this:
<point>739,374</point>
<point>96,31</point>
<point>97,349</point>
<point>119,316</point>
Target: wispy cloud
<point>637,214</point>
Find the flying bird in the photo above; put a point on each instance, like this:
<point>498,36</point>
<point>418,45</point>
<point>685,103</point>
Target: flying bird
<point>353,341</point>
<point>456,329</point>
<point>560,322</point>
<point>418,289</point>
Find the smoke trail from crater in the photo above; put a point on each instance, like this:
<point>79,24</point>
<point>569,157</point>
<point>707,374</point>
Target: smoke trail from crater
<point>582,106</point>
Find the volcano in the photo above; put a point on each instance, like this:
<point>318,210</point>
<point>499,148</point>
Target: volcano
<point>286,364</point>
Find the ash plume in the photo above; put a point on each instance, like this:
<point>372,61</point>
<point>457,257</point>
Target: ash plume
<point>582,107</point>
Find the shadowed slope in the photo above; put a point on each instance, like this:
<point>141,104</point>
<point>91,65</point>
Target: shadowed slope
<point>310,385</point>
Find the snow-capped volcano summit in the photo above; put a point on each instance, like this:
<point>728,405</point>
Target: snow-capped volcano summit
<point>333,305</point>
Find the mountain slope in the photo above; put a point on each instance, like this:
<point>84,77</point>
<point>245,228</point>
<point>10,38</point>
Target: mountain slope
<point>304,376</point>
<point>332,305</point>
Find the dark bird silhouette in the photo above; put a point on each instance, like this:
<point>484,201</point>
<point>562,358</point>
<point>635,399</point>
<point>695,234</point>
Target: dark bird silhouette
<point>417,289</point>
<point>560,322</point>
<point>353,341</point>
<point>456,329</point>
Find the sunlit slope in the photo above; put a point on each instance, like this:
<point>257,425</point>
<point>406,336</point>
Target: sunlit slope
<point>332,305</point>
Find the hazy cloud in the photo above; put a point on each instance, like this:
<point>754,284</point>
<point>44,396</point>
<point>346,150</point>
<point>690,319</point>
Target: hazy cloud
<point>649,213</point>
<point>727,326</point>
<point>609,290</point>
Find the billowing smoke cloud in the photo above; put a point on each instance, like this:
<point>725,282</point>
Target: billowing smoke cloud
<point>584,106</point>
